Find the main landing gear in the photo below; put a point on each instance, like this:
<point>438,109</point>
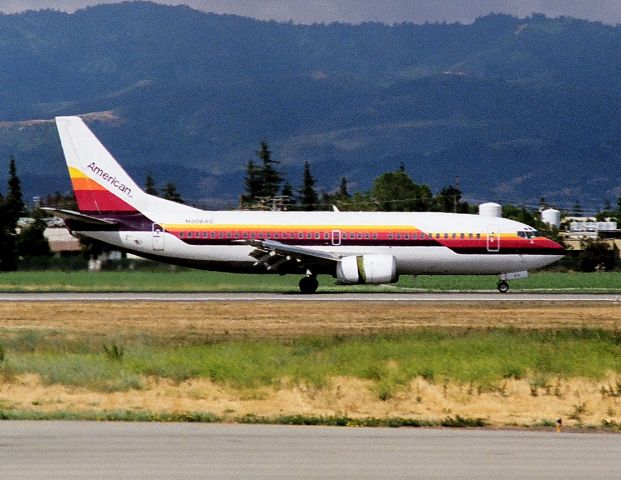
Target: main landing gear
<point>503,286</point>
<point>308,284</point>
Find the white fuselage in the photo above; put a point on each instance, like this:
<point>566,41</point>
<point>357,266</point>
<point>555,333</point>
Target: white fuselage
<point>452,243</point>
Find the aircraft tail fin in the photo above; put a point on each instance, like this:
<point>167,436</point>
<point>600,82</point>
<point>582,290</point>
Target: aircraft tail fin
<point>99,182</point>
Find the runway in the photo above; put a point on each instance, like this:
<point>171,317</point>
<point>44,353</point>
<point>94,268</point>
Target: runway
<point>72,450</point>
<point>494,297</point>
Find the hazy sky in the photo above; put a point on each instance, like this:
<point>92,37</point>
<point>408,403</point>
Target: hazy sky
<point>356,11</point>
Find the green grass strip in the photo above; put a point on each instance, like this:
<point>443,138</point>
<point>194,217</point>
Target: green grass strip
<point>201,281</point>
<point>482,357</point>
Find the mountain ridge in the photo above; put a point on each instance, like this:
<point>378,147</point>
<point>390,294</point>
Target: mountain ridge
<point>517,108</point>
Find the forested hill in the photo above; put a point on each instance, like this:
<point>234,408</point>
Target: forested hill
<point>517,108</point>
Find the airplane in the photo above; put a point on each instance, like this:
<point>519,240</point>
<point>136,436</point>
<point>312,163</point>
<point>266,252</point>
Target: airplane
<point>353,247</point>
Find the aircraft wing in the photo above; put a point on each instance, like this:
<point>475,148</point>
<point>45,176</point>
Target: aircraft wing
<point>78,217</point>
<point>272,254</point>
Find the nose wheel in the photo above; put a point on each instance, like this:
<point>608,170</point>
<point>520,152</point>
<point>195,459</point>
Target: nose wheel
<point>503,286</point>
<point>308,284</point>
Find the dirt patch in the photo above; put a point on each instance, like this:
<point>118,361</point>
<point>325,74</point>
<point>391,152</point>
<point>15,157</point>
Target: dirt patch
<point>290,319</point>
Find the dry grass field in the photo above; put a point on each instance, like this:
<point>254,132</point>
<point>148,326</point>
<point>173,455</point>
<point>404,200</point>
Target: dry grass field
<point>292,319</point>
<point>523,399</point>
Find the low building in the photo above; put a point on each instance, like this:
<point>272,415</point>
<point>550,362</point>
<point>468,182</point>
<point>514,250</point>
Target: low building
<point>61,240</point>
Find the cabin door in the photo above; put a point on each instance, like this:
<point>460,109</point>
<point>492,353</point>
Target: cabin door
<point>493,239</point>
<point>158,237</point>
<point>336,237</point>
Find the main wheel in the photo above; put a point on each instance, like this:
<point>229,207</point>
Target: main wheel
<point>308,284</point>
<point>503,286</point>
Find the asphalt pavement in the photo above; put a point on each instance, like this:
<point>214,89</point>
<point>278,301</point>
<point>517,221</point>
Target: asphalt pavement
<point>94,450</point>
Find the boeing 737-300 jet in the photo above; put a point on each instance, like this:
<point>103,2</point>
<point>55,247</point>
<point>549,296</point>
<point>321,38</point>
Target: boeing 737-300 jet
<point>353,247</point>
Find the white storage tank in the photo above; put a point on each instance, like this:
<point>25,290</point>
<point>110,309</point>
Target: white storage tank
<point>551,217</point>
<point>490,209</point>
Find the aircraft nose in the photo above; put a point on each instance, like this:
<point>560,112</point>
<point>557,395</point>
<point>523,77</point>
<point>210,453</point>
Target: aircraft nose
<point>556,248</point>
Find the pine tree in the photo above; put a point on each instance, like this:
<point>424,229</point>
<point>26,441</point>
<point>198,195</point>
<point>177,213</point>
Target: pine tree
<point>252,184</point>
<point>269,176</point>
<point>169,192</point>
<point>14,203</point>
<point>261,182</point>
<point>149,185</point>
<point>308,194</point>
<point>288,196</point>
<point>11,208</point>
<point>4,234</point>
<point>343,193</point>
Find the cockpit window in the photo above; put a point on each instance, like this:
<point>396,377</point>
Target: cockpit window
<point>529,234</point>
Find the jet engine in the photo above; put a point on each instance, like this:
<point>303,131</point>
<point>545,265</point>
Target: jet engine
<point>373,268</point>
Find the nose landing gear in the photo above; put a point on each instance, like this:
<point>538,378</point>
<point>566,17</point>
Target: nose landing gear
<point>503,285</point>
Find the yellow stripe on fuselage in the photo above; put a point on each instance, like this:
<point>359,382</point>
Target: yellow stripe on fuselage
<point>285,228</point>
<point>323,228</point>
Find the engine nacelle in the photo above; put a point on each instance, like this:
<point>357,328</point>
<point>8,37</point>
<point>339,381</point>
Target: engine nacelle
<point>373,268</point>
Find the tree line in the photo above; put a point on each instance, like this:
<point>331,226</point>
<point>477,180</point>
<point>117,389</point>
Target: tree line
<point>26,241</point>
<point>265,188</point>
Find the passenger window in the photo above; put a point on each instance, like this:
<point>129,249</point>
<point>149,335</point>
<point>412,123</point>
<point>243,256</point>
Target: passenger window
<point>317,235</point>
<point>478,236</point>
<point>454,236</point>
<point>268,235</point>
<point>470,236</point>
<point>252,234</point>
<point>390,236</point>
<point>326,236</point>
<point>375,236</point>
<point>301,236</point>
<point>189,234</point>
<point>398,236</point>
<point>245,235</point>
<point>446,235</point>
<point>422,236</point>
<point>462,235</point>
<point>309,236</point>
<point>229,235</point>
<point>437,235</point>
<point>236,234</point>
<point>276,235</point>
<point>367,236</point>
<point>359,236</point>
<point>406,236</point>
<point>181,235</point>
<point>213,234</point>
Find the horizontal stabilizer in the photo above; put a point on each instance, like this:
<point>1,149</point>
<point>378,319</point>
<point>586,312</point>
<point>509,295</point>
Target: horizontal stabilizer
<point>77,216</point>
